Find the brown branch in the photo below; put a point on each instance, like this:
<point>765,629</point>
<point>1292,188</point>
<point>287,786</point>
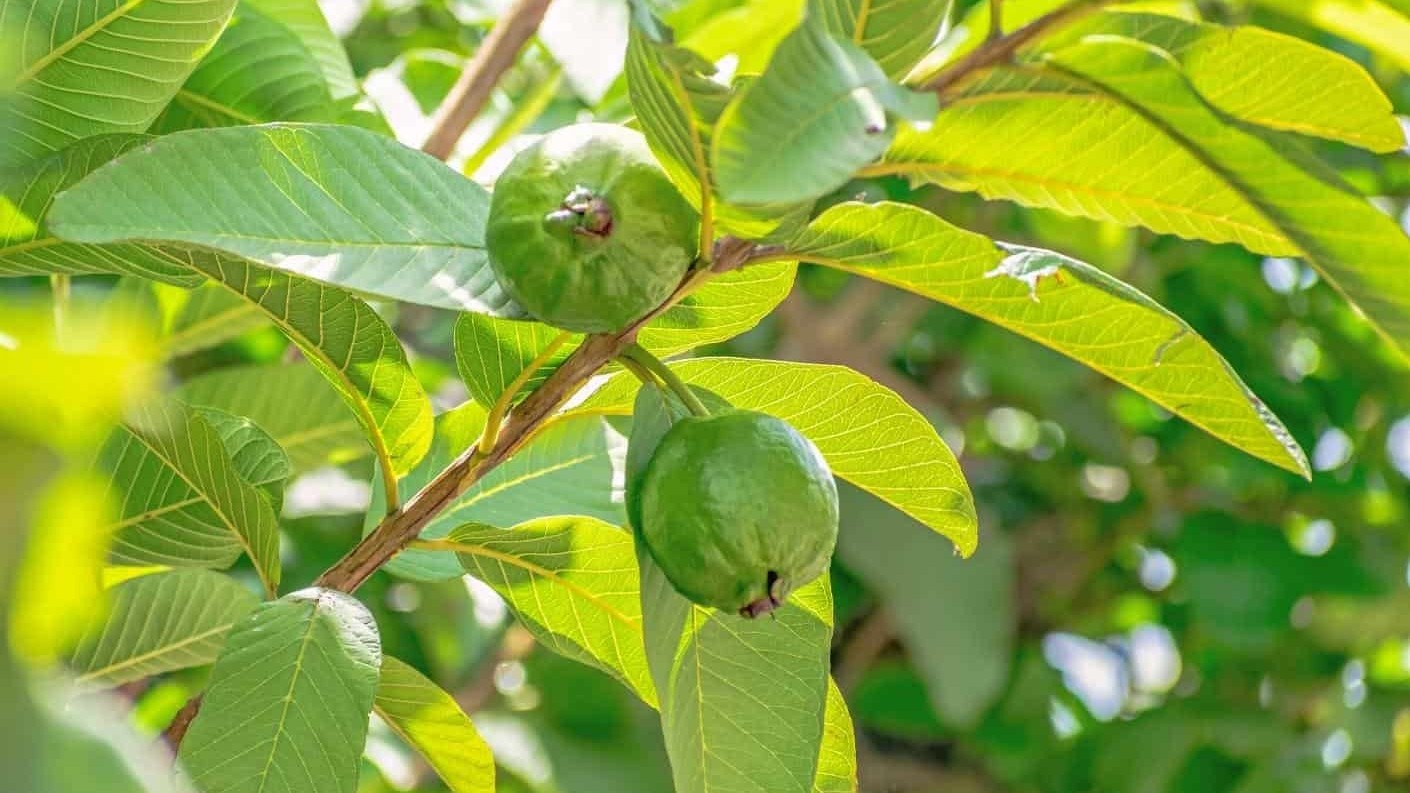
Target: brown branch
<point>182,722</point>
<point>470,93</point>
<point>1002,49</point>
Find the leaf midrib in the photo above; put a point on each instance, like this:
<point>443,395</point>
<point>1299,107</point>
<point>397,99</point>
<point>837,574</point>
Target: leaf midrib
<point>79,38</point>
<point>94,674</point>
<point>279,730</point>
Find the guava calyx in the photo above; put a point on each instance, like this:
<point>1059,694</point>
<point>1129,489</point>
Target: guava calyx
<point>777,592</point>
<point>583,213</point>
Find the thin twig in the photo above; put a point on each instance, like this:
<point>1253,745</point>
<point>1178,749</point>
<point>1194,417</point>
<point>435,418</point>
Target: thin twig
<point>470,93</point>
<point>179,725</point>
<point>1001,49</point>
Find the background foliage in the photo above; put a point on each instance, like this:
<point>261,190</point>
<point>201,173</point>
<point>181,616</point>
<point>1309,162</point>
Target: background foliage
<point>1160,600</point>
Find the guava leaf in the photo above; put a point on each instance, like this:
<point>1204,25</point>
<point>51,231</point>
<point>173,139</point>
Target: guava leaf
<point>28,248</point>
<point>295,404</point>
<point>895,34</point>
<point>185,501</point>
<point>820,111</point>
<point>1255,75</point>
<point>258,71</point>
<point>429,719</point>
<point>569,468</point>
<point>287,707</point>
<point>210,315</point>
<point>570,580</point>
<point>1379,25</point>
<point>1054,300</point>
<point>1112,130</point>
<point>306,19</point>
<point>160,623</point>
<point>349,344</point>
<point>491,352</point>
<point>340,205</point>
<point>80,69</point>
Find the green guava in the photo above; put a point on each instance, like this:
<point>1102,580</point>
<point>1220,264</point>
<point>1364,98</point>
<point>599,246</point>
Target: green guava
<point>738,510</point>
<point>586,232</point>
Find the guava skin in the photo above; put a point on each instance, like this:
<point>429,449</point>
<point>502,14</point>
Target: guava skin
<point>586,232</point>
<point>738,509</point>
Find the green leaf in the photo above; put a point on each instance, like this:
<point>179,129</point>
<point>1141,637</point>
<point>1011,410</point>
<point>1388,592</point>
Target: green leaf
<point>1262,77</point>
<point>28,248</point>
<point>160,623</point>
<point>956,617</point>
<point>844,414</point>
<point>573,582</point>
<point>287,707</point>
<point>1064,304</point>
<point>258,71</point>
<point>822,110</point>
<point>294,404</point>
<point>571,467</point>
<point>677,105</point>
<point>429,719</point>
<point>185,503</point>
<point>306,19</point>
<point>1380,25</point>
<point>256,455</point>
<point>349,344</point>
<point>341,205</point>
<point>490,352</point>
<point>1113,131</point>
<point>210,315</point>
<point>837,757</point>
<point>85,69</point>
<point>896,34</point>
<point>742,701</point>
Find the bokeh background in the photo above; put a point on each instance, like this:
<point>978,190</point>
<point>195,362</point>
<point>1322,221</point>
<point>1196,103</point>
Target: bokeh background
<point>1149,611</point>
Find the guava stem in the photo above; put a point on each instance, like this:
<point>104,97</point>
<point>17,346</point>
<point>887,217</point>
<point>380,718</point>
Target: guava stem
<point>657,367</point>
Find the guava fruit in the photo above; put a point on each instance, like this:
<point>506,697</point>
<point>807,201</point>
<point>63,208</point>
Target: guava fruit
<point>738,510</point>
<point>586,232</point>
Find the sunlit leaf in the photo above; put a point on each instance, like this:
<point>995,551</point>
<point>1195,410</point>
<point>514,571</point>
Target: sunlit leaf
<point>306,19</point>
<point>429,719</point>
<point>28,248</point>
<point>340,205</point>
<point>287,707</point>
<point>1381,25</point>
<point>210,315</point>
<point>1064,304</point>
<point>160,623</point>
<point>85,69</point>
<point>896,34</point>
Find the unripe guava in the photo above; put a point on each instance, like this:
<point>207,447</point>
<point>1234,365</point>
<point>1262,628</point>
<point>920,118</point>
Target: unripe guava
<point>738,509</point>
<point>586,232</point>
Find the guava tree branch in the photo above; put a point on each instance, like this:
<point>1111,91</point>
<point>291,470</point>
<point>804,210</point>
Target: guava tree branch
<point>1001,48</point>
<point>494,57</point>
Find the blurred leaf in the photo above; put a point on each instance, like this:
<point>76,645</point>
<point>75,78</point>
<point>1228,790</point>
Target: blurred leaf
<point>750,31</point>
<point>56,590</point>
<point>185,501</point>
<point>1181,168</point>
<point>896,34</point>
<point>210,315</point>
<point>1053,300</point>
<point>28,248</point>
<point>956,617</point>
<point>305,18</point>
<point>258,71</point>
<point>573,582</point>
<point>288,701</point>
<point>349,344</point>
<point>844,414</point>
<point>1381,25</point>
<point>1262,77</point>
<point>299,409</point>
<point>85,70</point>
<point>160,623</point>
<point>569,468</point>
<point>302,198</point>
<point>429,719</point>
<point>820,111</point>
